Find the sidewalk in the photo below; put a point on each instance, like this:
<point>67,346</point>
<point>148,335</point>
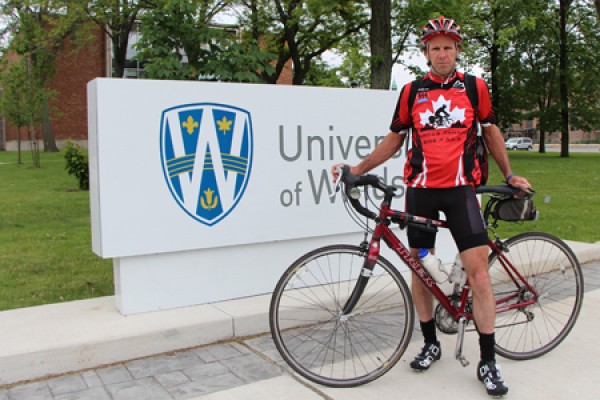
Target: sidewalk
<point>557,375</point>
<point>112,355</point>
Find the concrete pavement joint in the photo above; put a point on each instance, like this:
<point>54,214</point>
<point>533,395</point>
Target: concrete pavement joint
<point>287,371</point>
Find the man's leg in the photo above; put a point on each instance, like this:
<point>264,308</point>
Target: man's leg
<point>423,300</point>
<point>484,302</point>
<point>421,202</point>
<point>422,297</point>
<point>484,313</point>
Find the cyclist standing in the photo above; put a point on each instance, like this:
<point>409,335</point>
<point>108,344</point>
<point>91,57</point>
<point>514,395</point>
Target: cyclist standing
<point>441,172</point>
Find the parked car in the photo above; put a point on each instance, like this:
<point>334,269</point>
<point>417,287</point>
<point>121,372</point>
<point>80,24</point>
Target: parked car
<point>519,143</point>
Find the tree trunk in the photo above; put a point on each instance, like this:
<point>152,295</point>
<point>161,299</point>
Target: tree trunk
<point>494,79</point>
<point>33,143</point>
<point>119,57</point>
<point>542,148</point>
<point>564,93</point>
<point>381,44</point>
<point>494,57</point>
<point>19,161</point>
<point>120,41</point>
<point>47,132</point>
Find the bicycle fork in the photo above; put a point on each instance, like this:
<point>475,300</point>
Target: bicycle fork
<point>462,324</point>
<point>372,253</point>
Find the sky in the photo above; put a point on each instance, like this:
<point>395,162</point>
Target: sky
<point>401,75</point>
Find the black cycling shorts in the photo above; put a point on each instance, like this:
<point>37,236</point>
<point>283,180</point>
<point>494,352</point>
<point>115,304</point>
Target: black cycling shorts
<point>462,211</point>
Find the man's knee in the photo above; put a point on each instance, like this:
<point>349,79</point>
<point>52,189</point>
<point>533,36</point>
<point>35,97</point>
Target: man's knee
<point>479,278</point>
<point>477,270</point>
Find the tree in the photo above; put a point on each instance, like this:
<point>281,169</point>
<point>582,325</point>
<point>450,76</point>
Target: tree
<point>258,18</point>
<point>310,28</point>
<point>181,40</point>
<point>493,29</point>
<point>532,63</point>
<point>321,74</point>
<point>578,67</point>
<point>301,30</point>
<point>390,25</point>
<point>117,18</point>
<point>585,69</point>
<point>394,24</point>
<point>380,40</point>
<point>39,31</point>
<point>577,36</point>
<point>20,102</point>
<point>564,9</point>
<point>355,67</point>
<point>545,59</point>
<point>407,20</point>
<point>177,40</point>
<point>240,61</point>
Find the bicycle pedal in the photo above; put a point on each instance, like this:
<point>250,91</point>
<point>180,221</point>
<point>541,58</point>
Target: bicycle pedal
<point>463,361</point>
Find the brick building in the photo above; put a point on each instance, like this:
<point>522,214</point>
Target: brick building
<point>529,129</point>
<point>74,69</point>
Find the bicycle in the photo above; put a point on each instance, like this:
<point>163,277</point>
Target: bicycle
<point>342,315</point>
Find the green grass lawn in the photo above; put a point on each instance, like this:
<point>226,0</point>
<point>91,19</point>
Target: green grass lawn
<point>45,243</point>
<point>567,193</point>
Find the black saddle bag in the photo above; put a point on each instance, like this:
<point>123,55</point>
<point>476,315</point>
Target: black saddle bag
<point>521,209</point>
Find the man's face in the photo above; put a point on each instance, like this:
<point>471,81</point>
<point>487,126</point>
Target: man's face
<point>441,52</point>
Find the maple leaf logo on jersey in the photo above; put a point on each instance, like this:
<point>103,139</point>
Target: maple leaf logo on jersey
<point>442,115</point>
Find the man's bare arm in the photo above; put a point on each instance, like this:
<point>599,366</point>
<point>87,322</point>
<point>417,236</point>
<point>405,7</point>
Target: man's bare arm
<point>495,143</point>
<point>383,152</point>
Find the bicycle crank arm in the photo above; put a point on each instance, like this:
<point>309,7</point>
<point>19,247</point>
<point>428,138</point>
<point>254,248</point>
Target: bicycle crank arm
<point>462,324</point>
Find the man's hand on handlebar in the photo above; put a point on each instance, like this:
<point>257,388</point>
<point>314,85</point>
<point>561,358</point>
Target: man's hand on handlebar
<point>335,171</point>
<point>336,168</point>
<point>520,182</point>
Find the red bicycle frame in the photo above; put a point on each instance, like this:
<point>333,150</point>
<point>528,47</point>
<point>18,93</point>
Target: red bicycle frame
<point>382,231</point>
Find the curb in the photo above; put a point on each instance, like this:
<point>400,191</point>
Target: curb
<point>55,339</point>
<point>586,252</point>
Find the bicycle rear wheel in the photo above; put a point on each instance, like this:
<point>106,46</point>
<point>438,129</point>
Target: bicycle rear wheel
<point>324,344</point>
<point>553,271</point>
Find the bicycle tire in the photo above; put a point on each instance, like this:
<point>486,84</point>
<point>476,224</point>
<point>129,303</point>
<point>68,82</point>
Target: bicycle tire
<point>336,350</point>
<point>552,269</point>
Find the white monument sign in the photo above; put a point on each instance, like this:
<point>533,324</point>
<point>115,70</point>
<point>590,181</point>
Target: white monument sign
<point>203,192</point>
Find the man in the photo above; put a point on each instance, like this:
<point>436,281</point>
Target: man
<point>441,172</point>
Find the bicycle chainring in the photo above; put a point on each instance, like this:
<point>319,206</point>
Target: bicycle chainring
<point>444,321</point>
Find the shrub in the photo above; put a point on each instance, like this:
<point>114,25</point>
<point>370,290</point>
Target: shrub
<point>77,164</point>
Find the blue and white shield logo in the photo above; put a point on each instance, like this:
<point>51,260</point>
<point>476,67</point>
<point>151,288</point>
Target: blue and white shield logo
<point>206,154</point>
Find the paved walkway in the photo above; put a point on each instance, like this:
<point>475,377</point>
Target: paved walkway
<point>250,368</point>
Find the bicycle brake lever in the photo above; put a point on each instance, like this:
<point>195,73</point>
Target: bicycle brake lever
<point>338,183</point>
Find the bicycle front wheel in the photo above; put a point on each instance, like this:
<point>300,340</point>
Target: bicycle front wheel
<point>327,345</point>
<point>553,271</point>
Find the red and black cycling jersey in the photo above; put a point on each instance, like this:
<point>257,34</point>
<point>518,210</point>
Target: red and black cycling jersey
<point>444,131</point>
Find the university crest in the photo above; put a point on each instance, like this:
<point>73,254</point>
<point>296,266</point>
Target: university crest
<point>206,155</point>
